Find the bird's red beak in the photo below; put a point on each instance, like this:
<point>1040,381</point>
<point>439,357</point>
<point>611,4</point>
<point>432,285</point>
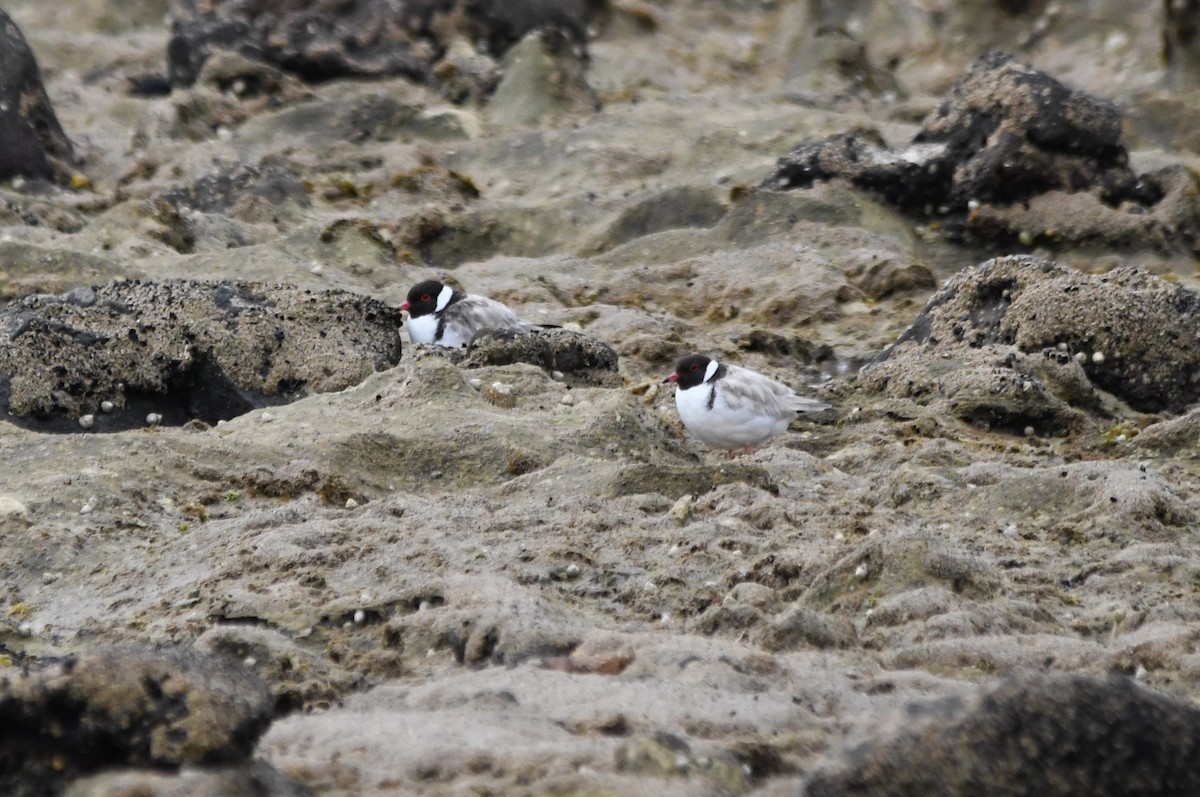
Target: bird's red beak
<point>404,307</point>
<point>671,378</point>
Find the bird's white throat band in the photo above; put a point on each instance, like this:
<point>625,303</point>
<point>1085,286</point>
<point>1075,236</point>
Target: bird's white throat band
<point>444,298</point>
<point>711,370</point>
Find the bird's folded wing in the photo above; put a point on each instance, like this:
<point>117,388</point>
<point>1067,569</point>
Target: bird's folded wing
<point>476,313</point>
<point>747,391</point>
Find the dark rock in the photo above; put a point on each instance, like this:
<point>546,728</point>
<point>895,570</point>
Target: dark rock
<point>1050,735</point>
<point>184,350</point>
<point>578,357</point>
<point>358,38</point>
<point>1004,135</point>
<point>1181,42</point>
<point>230,89</point>
<point>503,23</point>
<point>125,707</point>
<point>220,192</point>
<point>1129,332</point>
<point>32,143</point>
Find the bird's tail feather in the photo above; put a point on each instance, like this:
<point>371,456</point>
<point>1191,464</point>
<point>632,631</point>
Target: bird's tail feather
<point>801,404</point>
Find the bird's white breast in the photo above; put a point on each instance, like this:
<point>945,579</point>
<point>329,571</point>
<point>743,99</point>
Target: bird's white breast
<point>423,329</point>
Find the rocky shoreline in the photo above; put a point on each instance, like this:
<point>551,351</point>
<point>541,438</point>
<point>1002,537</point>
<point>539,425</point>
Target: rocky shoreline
<point>256,543</point>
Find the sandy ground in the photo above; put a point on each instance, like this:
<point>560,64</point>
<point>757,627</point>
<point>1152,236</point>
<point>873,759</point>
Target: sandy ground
<point>570,595</point>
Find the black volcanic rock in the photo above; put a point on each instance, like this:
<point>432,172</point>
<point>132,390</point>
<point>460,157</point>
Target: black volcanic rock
<point>125,707</point>
<point>1007,135</point>
<point>32,143</point>
<point>359,38</point>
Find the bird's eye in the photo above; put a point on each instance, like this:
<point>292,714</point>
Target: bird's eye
<point>425,297</point>
<point>694,367</point>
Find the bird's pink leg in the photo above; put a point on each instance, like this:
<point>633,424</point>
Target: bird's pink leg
<point>749,450</point>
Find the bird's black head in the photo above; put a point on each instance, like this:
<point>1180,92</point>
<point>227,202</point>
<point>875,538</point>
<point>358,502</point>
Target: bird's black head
<point>423,298</point>
<point>691,371</point>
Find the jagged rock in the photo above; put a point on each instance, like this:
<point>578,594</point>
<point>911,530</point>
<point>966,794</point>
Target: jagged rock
<point>360,38</point>
<point>1008,134</point>
<point>1040,334</point>
<point>182,350</point>
<point>125,707</point>
<point>32,143</point>
<point>222,191</point>
<point>576,356</point>
<point>1053,735</point>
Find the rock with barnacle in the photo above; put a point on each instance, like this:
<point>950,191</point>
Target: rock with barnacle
<point>579,358</point>
<point>134,353</point>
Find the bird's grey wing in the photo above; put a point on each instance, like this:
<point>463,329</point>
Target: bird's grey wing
<point>744,388</point>
<point>747,391</point>
<point>476,313</point>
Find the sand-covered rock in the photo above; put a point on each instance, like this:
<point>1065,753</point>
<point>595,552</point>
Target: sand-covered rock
<point>108,356</point>
<point>510,569</point>
<point>1019,341</point>
<point>1031,734</point>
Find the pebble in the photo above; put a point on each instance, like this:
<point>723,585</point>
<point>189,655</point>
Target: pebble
<point>87,421</point>
<point>351,503</point>
<point>360,617</point>
<point>12,507</point>
<point>1098,357</point>
<point>249,661</point>
<point>567,399</point>
<point>861,571</point>
<point>107,406</point>
<point>153,419</point>
<point>681,509</point>
<point>752,593</point>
